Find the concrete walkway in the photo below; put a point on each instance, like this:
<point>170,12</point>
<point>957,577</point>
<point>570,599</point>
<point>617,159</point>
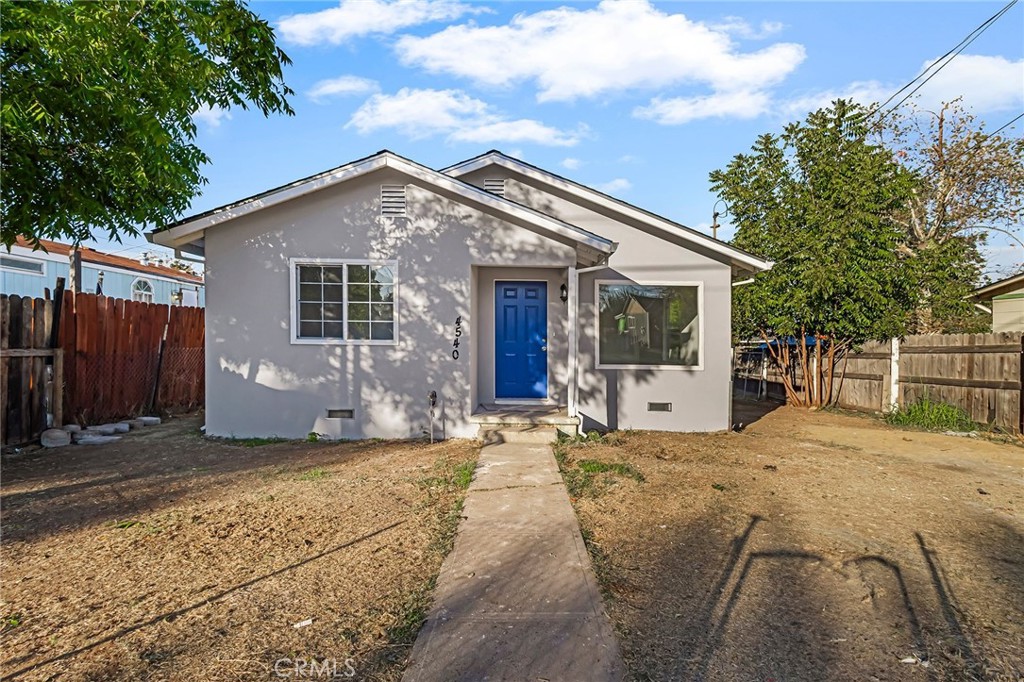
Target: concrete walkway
<point>517,599</point>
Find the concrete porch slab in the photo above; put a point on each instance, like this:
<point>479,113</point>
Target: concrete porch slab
<point>511,415</point>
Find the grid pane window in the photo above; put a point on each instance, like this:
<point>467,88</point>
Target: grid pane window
<point>142,290</point>
<point>348,301</point>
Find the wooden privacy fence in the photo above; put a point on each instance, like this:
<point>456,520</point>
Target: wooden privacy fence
<point>30,369</point>
<point>120,358</point>
<point>980,373</point>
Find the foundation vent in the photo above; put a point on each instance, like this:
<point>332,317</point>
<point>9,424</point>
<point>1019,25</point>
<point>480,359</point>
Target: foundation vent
<point>659,407</point>
<point>392,201</point>
<point>341,414</point>
<point>495,186</point>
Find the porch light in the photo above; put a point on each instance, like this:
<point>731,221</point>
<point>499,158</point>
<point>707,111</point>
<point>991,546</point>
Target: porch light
<point>563,293</point>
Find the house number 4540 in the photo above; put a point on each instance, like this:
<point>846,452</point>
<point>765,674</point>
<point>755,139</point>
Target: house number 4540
<point>458,333</point>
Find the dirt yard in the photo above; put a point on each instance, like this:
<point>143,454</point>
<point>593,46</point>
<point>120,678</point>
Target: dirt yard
<point>811,546</point>
<point>170,556</point>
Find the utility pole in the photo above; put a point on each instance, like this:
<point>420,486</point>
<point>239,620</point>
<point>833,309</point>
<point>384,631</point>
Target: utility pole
<point>714,218</point>
<point>75,258</point>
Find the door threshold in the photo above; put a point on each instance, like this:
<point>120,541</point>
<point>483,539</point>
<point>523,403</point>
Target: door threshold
<point>525,401</point>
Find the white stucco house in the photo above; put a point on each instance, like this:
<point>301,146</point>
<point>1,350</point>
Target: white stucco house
<point>359,301</point>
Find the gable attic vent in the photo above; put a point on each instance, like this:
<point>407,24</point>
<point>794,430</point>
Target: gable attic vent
<point>495,186</point>
<point>392,200</point>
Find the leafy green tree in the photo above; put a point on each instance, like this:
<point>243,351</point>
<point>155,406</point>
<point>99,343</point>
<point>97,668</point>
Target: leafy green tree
<point>98,105</point>
<point>819,201</point>
<point>969,183</point>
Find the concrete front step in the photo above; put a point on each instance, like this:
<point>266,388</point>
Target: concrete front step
<point>492,434</point>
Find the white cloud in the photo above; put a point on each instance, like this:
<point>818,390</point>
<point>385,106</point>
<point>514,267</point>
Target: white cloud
<point>742,28</point>
<point>613,186</point>
<point>987,84</point>
<point>354,18</point>
<point>211,116</point>
<point>571,163</point>
<point>341,86</point>
<point>678,110</point>
<point>864,92</point>
<point>619,45</point>
<point>520,130</point>
<point>426,113</point>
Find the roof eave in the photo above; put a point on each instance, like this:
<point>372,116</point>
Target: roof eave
<point>737,258</point>
<point>995,288</point>
<point>188,231</point>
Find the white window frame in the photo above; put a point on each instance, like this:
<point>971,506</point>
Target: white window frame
<point>152,290</point>
<point>34,261</point>
<point>699,367</point>
<point>293,308</point>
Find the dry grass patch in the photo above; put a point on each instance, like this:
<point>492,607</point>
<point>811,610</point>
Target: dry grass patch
<point>170,556</point>
<point>811,546</point>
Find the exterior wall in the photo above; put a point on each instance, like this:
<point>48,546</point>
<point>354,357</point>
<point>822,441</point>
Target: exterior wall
<point>1008,312</point>
<point>260,384</point>
<point>116,283</point>
<point>557,335</point>
<point>618,399</point>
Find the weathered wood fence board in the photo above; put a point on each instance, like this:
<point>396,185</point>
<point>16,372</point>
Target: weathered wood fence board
<point>26,391</point>
<point>980,373</point>
<point>112,360</point>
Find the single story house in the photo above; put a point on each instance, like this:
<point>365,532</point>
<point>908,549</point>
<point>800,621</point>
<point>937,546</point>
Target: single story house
<point>1005,300</point>
<point>383,298</point>
<point>25,271</point>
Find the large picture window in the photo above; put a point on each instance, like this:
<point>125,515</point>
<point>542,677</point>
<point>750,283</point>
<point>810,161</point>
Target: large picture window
<point>649,325</point>
<point>344,302</point>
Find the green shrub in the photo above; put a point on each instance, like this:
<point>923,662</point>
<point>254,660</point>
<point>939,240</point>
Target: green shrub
<point>932,415</point>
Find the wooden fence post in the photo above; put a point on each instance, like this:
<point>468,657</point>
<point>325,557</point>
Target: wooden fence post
<point>58,388</point>
<point>893,402</point>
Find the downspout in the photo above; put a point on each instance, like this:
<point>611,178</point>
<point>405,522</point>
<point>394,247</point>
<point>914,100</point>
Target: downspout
<point>574,336</point>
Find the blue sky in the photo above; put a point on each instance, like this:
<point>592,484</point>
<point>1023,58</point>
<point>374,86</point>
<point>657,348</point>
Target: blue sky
<point>639,99</point>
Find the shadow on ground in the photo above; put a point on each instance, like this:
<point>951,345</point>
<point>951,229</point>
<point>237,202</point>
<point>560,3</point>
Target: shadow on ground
<point>53,491</point>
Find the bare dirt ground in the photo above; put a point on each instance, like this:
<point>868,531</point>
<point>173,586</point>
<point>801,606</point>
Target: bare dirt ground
<point>811,546</point>
<point>168,556</point>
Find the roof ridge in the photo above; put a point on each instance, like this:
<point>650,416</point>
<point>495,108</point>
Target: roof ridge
<point>419,167</point>
<point>685,228</point>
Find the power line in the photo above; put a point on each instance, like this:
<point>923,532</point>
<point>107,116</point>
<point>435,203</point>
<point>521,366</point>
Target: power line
<point>1007,125</point>
<point>943,61</point>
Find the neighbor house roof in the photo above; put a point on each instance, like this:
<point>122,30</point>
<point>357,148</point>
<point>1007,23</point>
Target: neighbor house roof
<point>95,257</point>
<point>191,230</point>
<point>1003,286</point>
<point>735,256</point>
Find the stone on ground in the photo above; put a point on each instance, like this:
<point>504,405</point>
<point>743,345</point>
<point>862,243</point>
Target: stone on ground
<point>55,438</point>
<point>97,440</point>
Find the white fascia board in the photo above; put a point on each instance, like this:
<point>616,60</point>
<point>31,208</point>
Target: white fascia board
<point>735,256</point>
<point>184,233</point>
<point>188,232</point>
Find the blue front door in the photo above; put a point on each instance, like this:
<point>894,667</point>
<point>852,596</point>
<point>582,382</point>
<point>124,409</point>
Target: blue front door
<point>521,343</point>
